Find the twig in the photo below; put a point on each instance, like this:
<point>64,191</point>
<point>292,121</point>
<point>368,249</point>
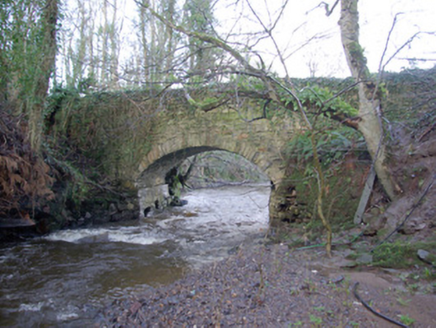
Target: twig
<point>103,188</point>
<point>265,105</point>
<point>417,59</point>
<point>426,131</point>
<point>381,66</point>
<point>344,90</point>
<point>328,11</point>
<point>374,311</point>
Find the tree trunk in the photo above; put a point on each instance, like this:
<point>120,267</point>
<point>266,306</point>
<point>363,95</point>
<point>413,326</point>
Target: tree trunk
<point>78,60</point>
<point>115,47</point>
<point>171,45</point>
<point>48,57</point>
<point>143,44</point>
<point>370,124</point>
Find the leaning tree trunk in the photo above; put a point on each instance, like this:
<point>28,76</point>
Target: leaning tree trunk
<point>370,124</point>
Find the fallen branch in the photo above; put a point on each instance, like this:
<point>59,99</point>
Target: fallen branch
<point>374,311</point>
<point>408,215</point>
<point>104,188</point>
<point>369,184</point>
<point>426,132</point>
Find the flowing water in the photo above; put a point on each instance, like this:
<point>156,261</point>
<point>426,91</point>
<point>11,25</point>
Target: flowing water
<point>62,280</point>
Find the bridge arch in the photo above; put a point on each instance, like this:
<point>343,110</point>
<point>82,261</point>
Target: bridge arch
<point>176,140</point>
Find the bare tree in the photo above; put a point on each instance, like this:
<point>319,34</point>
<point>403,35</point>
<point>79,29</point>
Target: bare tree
<point>110,43</point>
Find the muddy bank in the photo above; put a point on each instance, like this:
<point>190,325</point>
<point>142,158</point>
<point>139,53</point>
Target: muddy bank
<point>272,286</point>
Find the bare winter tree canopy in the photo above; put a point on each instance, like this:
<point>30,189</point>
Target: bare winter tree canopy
<point>119,43</point>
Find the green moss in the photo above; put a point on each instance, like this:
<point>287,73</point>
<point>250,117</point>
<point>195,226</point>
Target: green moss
<point>400,254</point>
<point>114,130</point>
<point>339,203</point>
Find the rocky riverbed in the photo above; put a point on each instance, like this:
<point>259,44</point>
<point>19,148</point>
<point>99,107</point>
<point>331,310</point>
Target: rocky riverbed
<point>274,286</point>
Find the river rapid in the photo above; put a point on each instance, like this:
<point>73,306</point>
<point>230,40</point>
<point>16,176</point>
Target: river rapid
<point>63,279</point>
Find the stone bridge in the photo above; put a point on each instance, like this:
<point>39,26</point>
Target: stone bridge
<point>138,137</point>
<point>180,133</point>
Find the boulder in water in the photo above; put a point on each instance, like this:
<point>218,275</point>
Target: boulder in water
<point>178,202</point>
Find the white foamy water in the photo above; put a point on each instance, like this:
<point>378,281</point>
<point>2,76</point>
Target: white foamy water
<point>132,235</point>
<point>231,214</point>
<point>31,307</point>
<point>217,220</point>
<point>68,314</point>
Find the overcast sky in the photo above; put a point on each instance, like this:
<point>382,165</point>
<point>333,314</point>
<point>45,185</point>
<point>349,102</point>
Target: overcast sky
<point>305,19</point>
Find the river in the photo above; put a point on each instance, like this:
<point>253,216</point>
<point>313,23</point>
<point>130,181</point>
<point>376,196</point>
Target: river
<point>63,279</point>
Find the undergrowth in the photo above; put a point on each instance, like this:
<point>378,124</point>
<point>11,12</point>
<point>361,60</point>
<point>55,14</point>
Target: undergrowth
<point>400,254</point>
<point>25,179</point>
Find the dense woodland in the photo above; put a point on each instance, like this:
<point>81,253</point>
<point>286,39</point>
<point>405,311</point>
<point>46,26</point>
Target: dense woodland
<point>53,52</point>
